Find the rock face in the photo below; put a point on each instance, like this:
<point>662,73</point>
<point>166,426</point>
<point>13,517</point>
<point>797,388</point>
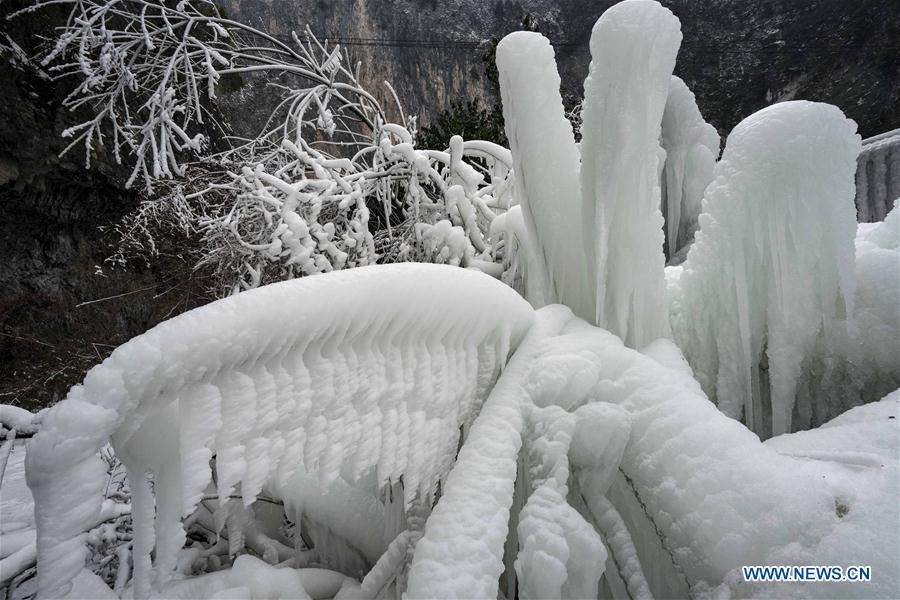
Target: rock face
<point>51,244</point>
<point>737,56</point>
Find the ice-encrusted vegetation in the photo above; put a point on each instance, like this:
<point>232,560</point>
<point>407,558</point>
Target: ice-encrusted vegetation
<point>566,417</point>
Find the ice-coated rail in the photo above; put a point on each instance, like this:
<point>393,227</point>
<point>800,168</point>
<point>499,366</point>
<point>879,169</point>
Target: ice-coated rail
<point>370,369</point>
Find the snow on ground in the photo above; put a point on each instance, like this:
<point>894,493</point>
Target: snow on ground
<point>856,456</point>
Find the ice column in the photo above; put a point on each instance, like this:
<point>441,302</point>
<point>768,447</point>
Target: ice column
<point>772,267</point>
<point>633,48</point>
<point>692,147</point>
<point>545,162</point>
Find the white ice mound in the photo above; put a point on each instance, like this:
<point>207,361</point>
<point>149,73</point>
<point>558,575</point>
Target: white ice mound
<point>772,268</point>
<point>371,369</point>
<point>633,49</point>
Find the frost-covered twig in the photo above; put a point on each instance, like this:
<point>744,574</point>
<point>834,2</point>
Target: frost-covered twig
<point>326,175</point>
<point>148,71</point>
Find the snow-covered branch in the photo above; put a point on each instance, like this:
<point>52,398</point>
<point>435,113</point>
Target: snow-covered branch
<point>328,183</point>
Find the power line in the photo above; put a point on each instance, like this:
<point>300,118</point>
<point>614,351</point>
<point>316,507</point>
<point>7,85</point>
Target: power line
<point>739,46</point>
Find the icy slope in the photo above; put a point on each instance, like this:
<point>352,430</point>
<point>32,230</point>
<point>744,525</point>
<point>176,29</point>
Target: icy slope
<point>373,368</point>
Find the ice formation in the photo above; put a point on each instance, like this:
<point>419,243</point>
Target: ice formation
<point>876,316</point>
<point>583,462</point>
<point>878,176</point>
<point>692,147</point>
<point>371,370</point>
<point>633,48</point>
<point>859,363</point>
<point>614,193</point>
<point>682,494</point>
<point>579,436</point>
<point>560,554</point>
<point>772,269</point>
<point>546,166</point>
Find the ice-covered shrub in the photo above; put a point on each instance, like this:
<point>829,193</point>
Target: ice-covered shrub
<point>344,389</point>
<point>329,183</point>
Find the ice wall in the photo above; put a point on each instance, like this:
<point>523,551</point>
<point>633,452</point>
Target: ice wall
<point>772,268</point>
<point>545,163</point>
<point>633,48</point>
<point>692,147</point>
<point>878,176</point>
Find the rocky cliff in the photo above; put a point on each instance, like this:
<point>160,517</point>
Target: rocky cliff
<point>737,55</point>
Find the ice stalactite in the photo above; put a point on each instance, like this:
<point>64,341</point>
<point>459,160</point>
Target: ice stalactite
<point>545,163</point>
<point>772,268</point>
<point>633,49</point>
<point>692,147</point>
